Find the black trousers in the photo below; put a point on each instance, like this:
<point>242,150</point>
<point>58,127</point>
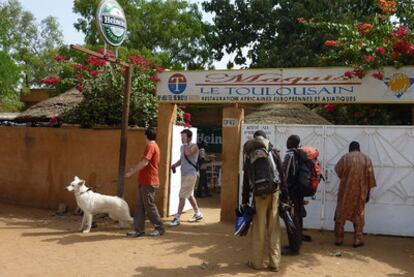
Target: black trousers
<point>295,238</point>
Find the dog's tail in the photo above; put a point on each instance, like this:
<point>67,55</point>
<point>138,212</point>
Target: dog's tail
<point>125,207</point>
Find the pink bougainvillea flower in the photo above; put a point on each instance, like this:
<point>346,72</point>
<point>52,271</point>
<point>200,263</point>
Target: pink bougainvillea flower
<point>51,80</point>
<point>78,76</point>
<point>378,75</point>
<point>187,117</point>
<point>395,55</point>
<point>331,43</point>
<point>109,53</point>
<point>154,78</point>
<point>59,58</point>
<point>349,74</point>
<point>380,51</point>
<point>329,108</point>
<point>77,66</point>
<point>368,58</point>
<point>359,73</point>
<point>301,20</point>
<point>388,7</point>
<point>365,28</point>
<point>159,69</point>
<point>94,73</point>
<point>92,60</point>
<point>357,114</point>
<point>400,46</point>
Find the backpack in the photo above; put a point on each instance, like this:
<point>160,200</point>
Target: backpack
<point>260,167</point>
<point>308,175</point>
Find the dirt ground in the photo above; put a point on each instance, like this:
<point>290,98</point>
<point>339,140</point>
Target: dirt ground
<point>38,243</point>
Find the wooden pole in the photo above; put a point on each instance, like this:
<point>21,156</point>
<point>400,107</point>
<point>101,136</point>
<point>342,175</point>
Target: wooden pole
<point>124,131</point>
<point>125,112</point>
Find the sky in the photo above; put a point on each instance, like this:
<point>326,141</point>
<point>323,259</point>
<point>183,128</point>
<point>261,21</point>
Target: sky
<point>62,10</point>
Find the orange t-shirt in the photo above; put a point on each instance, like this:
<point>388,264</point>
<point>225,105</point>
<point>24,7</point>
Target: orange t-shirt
<point>148,176</point>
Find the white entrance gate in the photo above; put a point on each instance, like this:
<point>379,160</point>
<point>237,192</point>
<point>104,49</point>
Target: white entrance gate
<point>391,208</point>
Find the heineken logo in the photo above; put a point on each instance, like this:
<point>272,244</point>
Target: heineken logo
<point>111,22</point>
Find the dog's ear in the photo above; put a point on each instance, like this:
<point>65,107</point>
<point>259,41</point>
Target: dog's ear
<point>76,178</point>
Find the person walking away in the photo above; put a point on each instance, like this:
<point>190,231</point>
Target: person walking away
<point>189,174</point>
<point>356,175</point>
<point>148,183</point>
<point>263,178</point>
<point>291,167</point>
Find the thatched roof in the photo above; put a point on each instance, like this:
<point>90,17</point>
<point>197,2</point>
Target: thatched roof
<point>283,114</point>
<point>51,107</point>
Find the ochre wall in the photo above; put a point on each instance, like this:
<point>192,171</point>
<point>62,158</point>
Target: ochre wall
<point>37,163</point>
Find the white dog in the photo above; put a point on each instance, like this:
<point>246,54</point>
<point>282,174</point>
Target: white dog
<point>93,203</point>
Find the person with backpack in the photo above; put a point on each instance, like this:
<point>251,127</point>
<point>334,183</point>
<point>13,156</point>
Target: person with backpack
<point>189,174</point>
<point>263,182</point>
<point>357,178</point>
<point>297,172</point>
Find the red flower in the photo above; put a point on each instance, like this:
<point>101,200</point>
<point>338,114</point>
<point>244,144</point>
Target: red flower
<point>378,75</point>
<point>59,58</point>
<point>395,55</point>
<point>366,120</point>
<point>187,117</point>
<point>368,58</point>
<point>122,69</point>
<point>331,43</point>
<point>388,7</point>
<point>357,115</point>
<point>94,73</point>
<point>359,73</point>
<point>159,69</point>
<point>188,125</point>
<point>399,32</point>
<point>300,20</point>
<point>77,66</point>
<point>360,42</point>
<point>329,108</point>
<point>154,78</point>
<point>78,76</point>
<point>109,53</point>
<point>141,61</point>
<point>364,29</point>
<point>92,60</point>
<point>349,74</point>
<point>400,46</point>
<point>380,51</point>
<point>51,80</point>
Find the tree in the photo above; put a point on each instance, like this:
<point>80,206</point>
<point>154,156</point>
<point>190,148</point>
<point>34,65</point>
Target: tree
<point>171,29</point>
<point>102,85</point>
<point>269,29</point>
<point>27,43</point>
<point>9,78</point>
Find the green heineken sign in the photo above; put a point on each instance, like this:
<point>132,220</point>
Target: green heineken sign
<point>111,22</point>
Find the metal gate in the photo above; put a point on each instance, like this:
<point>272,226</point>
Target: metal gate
<point>391,208</point>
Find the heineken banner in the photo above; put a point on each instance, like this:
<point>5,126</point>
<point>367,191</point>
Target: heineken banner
<point>210,139</point>
<point>297,85</point>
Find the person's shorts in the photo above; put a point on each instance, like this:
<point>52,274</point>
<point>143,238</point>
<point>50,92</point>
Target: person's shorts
<point>187,185</point>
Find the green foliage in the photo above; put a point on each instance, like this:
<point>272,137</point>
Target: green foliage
<point>171,29</point>
<point>370,44</point>
<point>9,79</point>
<point>269,29</point>
<point>26,43</point>
<point>102,85</point>
<point>367,114</point>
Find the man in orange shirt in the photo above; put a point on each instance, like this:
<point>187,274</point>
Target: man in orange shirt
<point>148,182</point>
